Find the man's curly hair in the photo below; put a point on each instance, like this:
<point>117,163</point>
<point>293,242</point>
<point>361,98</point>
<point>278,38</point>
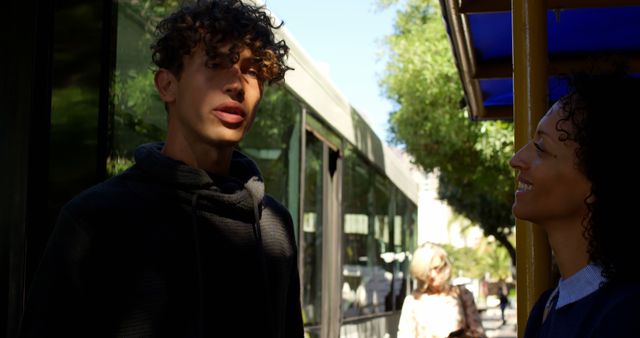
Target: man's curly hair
<point>215,23</point>
<point>599,110</point>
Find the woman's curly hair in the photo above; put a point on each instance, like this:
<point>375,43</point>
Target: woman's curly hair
<point>600,110</point>
<point>215,23</point>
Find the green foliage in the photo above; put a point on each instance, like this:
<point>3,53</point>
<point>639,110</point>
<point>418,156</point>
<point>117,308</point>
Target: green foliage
<point>272,137</point>
<point>149,13</point>
<point>138,113</point>
<point>465,261</point>
<point>488,257</point>
<point>432,124</point>
<point>276,110</point>
<point>136,101</point>
<point>117,165</point>
<point>496,261</point>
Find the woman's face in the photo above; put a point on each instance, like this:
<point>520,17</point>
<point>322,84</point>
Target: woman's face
<point>438,276</point>
<point>550,189</point>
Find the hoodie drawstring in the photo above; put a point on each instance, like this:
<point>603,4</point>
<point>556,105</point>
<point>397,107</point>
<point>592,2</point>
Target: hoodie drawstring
<point>196,243</point>
<point>256,190</point>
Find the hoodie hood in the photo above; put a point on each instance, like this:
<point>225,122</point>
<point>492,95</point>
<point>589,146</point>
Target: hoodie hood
<point>243,188</point>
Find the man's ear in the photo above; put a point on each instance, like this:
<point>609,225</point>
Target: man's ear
<point>166,84</point>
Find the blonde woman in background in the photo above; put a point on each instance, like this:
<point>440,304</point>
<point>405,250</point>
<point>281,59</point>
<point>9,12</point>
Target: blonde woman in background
<point>437,309</point>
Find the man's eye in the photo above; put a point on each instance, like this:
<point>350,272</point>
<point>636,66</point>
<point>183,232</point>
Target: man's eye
<point>214,65</point>
<point>252,72</point>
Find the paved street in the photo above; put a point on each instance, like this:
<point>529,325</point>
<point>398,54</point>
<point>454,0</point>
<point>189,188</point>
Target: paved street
<point>493,323</point>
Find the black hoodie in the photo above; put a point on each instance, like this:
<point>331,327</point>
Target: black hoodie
<point>167,250</point>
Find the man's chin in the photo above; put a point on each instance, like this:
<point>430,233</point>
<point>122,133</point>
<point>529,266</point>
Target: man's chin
<point>222,143</point>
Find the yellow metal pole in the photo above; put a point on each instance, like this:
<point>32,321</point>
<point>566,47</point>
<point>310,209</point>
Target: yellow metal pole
<point>530,64</point>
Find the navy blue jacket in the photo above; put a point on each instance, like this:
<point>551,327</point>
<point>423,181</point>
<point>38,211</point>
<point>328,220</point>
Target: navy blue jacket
<point>611,311</point>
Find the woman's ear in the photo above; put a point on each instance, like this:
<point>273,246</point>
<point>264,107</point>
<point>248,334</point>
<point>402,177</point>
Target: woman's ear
<point>166,84</point>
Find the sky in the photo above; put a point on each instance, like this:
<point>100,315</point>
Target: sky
<point>345,38</point>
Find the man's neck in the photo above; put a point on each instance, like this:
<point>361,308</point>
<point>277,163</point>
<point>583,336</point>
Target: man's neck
<point>216,160</point>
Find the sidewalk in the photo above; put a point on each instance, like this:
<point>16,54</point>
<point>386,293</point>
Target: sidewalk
<point>493,323</point>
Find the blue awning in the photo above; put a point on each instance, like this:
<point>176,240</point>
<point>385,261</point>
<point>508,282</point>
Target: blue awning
<point>574,34</point>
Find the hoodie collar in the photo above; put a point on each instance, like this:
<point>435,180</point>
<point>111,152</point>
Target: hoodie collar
<point>150,159</point>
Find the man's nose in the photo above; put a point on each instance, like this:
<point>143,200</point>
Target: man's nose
<point>233,86</point>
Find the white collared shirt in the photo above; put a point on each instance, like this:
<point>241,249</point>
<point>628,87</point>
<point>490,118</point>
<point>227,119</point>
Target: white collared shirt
<point>581,284</point>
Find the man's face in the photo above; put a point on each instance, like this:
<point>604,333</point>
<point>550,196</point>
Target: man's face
<point>215,106</point>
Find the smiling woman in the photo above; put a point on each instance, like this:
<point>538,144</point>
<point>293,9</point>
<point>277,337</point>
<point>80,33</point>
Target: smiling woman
<point>569,184</point>
<point>551,189</point>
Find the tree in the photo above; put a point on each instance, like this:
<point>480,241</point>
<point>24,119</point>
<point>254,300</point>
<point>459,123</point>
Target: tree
<point>431,122</point>
<point>487,257</point>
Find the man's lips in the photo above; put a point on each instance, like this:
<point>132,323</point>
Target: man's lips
<point>229,113</point>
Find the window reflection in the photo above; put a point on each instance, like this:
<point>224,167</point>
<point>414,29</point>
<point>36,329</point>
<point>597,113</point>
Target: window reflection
<point>75,97</point>
<point>72,150</point>
<point>312,231</point>
<point>274,143</point>
<point>359,244</point>
<point>138,113</point>
<point>376,240</point>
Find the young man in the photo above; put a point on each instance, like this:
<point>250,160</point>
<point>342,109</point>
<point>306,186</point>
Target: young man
<point>185,243</point>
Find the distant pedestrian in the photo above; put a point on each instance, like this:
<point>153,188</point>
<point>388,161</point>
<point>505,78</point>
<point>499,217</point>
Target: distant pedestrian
<point>185,243</point>
<point>503,296</point>
<point>437,309</point>
<point>576,181</point>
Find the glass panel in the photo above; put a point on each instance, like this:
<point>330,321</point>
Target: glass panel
<point>403,248</point>
<point>409,221</point>
<point>332,139</point>
<point>355,189</point>
<point>368,239</point>
<point>392,254</point>
<point>377,295</point>
<point>379,226</point>
<point>138,113</point>
<point>312,231</point>
<point>274,143</point>
<point>75,98</point>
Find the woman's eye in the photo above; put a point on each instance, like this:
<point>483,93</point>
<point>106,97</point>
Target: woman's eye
<point>538,148</point>
<point>439,267</point>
